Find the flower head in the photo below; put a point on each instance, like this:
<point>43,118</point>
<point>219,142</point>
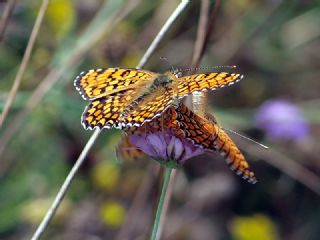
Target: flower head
<point>281,119</point>
<point>166,146</point>
<point>163,140</point>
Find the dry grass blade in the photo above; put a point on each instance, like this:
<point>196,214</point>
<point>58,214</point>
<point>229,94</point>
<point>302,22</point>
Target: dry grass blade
<point>286,165</point>
<point>205,30</point>
<point>56,203</point>
<point>202,33</point>
<point>24,61</point>
<point>162,31</point>
<point>199,100</point>
<point>6,16</point>
<point>90,37</point>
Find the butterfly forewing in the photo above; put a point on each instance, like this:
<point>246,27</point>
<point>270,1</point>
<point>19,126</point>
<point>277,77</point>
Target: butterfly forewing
<point>100,82</point>
<point>206,81</point>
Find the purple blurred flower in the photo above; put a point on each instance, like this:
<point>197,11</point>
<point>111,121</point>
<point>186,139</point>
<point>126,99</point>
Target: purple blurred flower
<point>281,119</point>
<point>165,146</point>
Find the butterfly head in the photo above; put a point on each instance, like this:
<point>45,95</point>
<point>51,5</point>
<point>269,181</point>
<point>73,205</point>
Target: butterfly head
<point>163,80</point>
<point>174,71</point>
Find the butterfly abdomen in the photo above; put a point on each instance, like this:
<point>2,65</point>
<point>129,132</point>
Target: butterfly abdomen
<point>160,81</point>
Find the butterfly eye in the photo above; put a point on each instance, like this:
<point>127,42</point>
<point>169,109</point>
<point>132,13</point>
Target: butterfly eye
<point>177,73</point>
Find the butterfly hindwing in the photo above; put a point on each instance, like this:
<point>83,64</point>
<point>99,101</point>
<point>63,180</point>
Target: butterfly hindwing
<point>127,151</point>
<point>234,157</point>
<point>104,112</point>
<point>209,135</point>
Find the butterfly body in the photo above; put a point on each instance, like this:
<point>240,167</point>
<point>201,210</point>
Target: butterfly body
<point>121,97</point>
<point>163,80</point>
<point>160,81</point>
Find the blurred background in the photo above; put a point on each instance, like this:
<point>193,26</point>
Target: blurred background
<point>275,44</point>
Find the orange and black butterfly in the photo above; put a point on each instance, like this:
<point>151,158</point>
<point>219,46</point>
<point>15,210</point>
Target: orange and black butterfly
<point>202,131</point>
<point>122,97</point>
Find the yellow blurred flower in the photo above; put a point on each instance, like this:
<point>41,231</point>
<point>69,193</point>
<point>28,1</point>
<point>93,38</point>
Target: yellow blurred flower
<point>33,211</point>
<point>60,17</point>
<point>106,175</point>
<point>257,226</point>
<point>113,214</point>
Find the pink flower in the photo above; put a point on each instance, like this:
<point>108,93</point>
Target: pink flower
<point>165,146</point>
<point>281,119</point>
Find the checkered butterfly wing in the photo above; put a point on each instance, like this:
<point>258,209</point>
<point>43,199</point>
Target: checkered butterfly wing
<point>205,81</point>
<point>105,112</point>
<point>208,134</point>
<point>110,91</point>
<point>97,83</point>
<point>127,151</point>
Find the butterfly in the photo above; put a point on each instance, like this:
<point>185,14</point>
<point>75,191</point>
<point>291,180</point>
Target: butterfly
<point>204,132</point>
<point>123,97</point>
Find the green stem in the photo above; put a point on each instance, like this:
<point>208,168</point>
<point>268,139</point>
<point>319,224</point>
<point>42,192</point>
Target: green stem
<point>166,181</point>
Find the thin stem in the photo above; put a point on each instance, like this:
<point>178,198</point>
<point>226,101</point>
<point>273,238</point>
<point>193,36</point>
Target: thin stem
<point>7,12</point>
<point>202,33</point>
<point>205,30</point>
<point>163,195</point>
<point>162,31</point>
<point>113,13</point>
<point>59,197</point>
<point>166,205</point>
<point>24,61</point>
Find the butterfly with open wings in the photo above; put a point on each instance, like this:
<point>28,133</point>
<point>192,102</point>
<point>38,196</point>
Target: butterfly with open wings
<point>122,98</point>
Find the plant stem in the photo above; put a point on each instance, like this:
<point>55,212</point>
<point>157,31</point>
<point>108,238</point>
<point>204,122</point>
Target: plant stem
<point>24,62</point>
<point>164,193</point>
<point>59,197</point>
<point>177,12</point>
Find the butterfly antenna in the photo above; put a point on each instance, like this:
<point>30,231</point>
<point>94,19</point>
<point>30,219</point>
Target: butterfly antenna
<point>247,138</point>
<point>207,68</point>
<point>174,70</point>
